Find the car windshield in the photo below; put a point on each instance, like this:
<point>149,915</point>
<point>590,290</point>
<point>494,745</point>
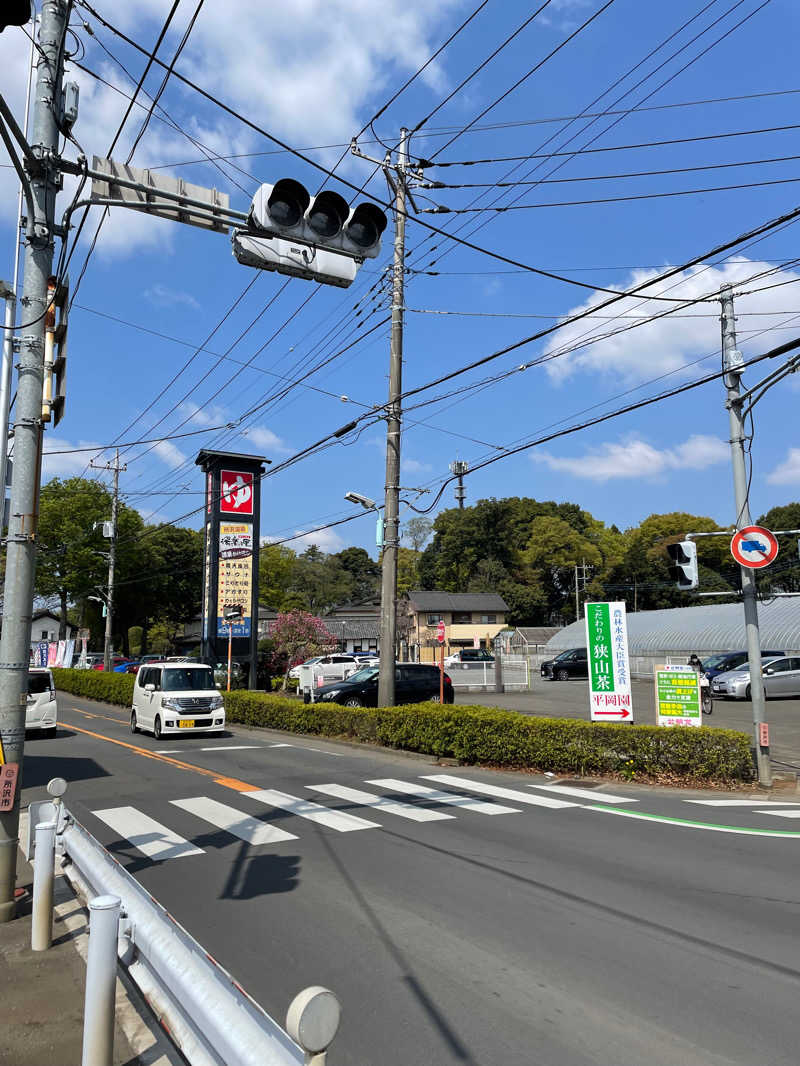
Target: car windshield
<point>191,678</point>
<point>38,683</point>
<point>713,661</point>
<point>364,675</point>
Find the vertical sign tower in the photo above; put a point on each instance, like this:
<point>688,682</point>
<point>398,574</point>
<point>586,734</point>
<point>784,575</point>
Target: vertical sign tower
<point>609,669</point>
<point>230,574</point>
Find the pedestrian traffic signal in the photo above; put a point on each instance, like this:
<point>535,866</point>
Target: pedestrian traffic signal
<point>286,209</point>
<point>684,564</point>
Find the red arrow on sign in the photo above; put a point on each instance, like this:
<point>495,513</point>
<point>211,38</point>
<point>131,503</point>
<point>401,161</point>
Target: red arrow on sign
<point>624,713</point>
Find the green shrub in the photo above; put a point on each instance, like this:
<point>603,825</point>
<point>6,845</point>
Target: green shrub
<point>97,685</point>
<point>478,735</point>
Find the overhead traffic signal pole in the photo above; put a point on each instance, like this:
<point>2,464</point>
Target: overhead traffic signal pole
<point>42,166</point>
<point>732,364</point>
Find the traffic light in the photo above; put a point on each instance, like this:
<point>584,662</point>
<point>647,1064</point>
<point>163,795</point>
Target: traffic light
<point>684,564</point>
<point>319,238</point>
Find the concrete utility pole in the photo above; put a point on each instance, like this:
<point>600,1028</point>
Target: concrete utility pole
<point>112,558</point>
<point>21,543</point>
<point>732,364</point>
<point>391,537</point>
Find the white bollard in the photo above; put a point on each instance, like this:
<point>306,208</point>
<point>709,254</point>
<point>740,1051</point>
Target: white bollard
<point>43,875</point>
<point>101,980</point>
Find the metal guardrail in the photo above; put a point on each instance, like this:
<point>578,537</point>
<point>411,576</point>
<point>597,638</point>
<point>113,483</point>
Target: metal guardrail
<point>210,1017</point>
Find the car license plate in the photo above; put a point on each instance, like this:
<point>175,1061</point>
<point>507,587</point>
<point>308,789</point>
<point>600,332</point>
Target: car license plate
<point>186,723</point>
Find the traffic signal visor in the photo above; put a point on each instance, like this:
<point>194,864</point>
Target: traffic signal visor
<point>684,564</point>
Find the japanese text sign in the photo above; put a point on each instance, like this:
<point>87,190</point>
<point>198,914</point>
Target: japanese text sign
<point>678,699</point>
<point>609,670</point>
<point>8,785</point>
<point>236,492</point>
<point>235,577</point>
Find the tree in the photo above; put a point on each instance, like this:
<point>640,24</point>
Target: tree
<point>296,636</point>
<point>318,582</point>
<point>417,530</point>
<point>407,570</point>
<point>784,574</point>
<point>69,561</point>
<point>276,566</point>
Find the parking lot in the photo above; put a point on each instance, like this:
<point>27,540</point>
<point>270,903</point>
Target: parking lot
<point>570,699</point>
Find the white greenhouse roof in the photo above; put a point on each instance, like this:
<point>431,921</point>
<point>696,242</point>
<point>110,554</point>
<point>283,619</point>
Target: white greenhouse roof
<point>710,628</point>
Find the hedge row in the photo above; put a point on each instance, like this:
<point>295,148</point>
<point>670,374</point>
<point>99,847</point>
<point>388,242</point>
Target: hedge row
<point>480,735</point>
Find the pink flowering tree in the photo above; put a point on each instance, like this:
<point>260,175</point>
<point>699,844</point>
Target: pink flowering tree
<point>296,636</point>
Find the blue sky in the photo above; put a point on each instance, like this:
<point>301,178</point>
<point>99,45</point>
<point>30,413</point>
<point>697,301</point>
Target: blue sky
<point>313,73</point>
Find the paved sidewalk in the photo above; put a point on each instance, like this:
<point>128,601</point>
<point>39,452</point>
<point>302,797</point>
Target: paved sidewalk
<point>41,1008</point>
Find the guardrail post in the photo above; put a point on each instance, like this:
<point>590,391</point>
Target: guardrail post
<point>43,876</point>
<point>101,979</point>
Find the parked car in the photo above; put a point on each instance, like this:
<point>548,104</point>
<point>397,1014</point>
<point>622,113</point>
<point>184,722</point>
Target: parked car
<point>116,660</point>
<point>469,655</point>
<point>781,678</point>
<point>570,663</point>
<point>125,667</point>
<point>366,658</point>
<point>731,660</point>
<point>171,698</point>
<point>295,670</point>
<point>41,711</point>
<point>414,683</point>
<point>221,674</point>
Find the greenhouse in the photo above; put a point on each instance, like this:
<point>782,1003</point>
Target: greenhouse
<point>679,631</point>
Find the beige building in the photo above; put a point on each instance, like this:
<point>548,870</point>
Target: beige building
<point>471,620</point>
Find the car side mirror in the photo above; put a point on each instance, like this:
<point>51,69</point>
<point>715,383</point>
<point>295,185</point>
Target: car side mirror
<point>150,688</point>
<point>769,670</point>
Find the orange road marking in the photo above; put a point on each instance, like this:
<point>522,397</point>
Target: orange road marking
<point>226,782</point>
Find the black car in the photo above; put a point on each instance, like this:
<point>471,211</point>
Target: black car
<point>413,683</point>
<point>571,663</point>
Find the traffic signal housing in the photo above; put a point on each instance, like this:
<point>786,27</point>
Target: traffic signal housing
<point>683,570</point>
<point>286,209</point>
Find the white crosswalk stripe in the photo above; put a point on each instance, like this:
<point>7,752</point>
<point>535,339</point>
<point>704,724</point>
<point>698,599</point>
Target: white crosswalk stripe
<point>315,812</point>
<point>467,803</point>
<point>733,803</point>
<point>146,834</point>
<point>511,794</point>
<point>586,793</point>
<point>244,827</point>
<point>367,799</point>
<point>781,814</point>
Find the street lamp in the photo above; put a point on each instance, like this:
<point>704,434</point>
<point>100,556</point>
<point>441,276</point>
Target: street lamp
<point>365,501</point>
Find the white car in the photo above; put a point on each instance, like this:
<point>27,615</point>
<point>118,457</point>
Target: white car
<point>781,678</point>
<point>41,711</point>
<point>295,670</point>
<point>171,698</point>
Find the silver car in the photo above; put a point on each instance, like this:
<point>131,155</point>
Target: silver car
<point>781,678</point>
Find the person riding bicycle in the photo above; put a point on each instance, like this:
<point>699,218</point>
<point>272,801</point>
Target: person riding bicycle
<point>694,661</point>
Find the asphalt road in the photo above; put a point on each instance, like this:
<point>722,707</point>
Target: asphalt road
<point>599,927</point>
<point>570,699</point>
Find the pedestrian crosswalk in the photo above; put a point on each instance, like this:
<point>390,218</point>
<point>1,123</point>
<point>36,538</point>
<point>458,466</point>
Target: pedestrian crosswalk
<point>454,797</point>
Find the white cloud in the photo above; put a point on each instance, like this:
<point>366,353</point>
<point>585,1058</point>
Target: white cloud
<point>169,453</point>
<point>264,438</point>
<point>787,472</point>
<point>675,339</point>
<point>69,465</point>
<point>635,458</point>
<point>324,539</point>
<point>415,466</point>
<point>162,296</point>
<point>209,415</point>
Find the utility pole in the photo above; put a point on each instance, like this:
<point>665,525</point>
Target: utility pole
<point>577,597</point>
<point>732,365</point>
<point>460,468</point>
<point>391,539</point>
<point>21,543</point>
<point>112,557</point>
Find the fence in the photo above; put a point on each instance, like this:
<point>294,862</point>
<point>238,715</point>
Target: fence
<point>514,672</point>
<point>212,1020</point>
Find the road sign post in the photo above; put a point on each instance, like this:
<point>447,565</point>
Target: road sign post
<point>609,669</point>
<point>678,698</point>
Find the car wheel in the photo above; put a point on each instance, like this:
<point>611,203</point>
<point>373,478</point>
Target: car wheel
<point>562,675</point>
<point>306,697</point>
<point>51,732</point>
<point>353,701</point>
<point>157,727</point>
<point>435,699</point>
<point>134,726</point>
<point>748,693</point>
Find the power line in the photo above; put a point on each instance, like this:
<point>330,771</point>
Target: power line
<point>609,148</point>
